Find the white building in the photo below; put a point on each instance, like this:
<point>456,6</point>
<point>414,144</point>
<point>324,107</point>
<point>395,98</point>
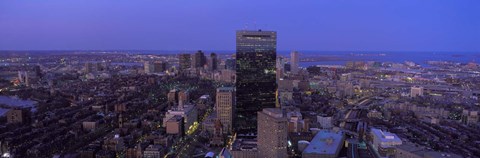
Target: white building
<point>384,142</point>
<point>416,91</point>
<point>325,121</point>
<point>326,144</point>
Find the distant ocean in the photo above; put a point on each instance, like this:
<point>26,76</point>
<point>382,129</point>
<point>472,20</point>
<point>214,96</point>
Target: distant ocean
<point>340,58</point>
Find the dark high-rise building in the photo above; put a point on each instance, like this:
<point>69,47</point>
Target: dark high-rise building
<point>198,59</point>
<point>256,86</point>
<point>213,61</point>
<point>159,67</point>
<point>38,71</point>
<point>184,61</point>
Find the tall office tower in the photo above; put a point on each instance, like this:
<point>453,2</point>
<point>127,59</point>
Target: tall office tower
<point>198,59</point>
<point>38,71</point>
<point>280,67</point>
<point>148,67</point>
<point>256,83</point>
<point>159,66</point>
<point>294,60</point>
<point>280,62</point>
<point>88,67</point>
<point>184,61</point>
<point>272,133</point>
<point>225,103</point>
<point>213,61</point>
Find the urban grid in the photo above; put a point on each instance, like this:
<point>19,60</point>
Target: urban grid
<point>254,101</point>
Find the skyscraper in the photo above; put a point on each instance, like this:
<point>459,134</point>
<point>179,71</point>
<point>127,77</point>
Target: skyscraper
<point>159,66</point>
<point>198,59</point>
<point>213,61</point>
<point>255,85</point>
<point>148,67</point>
<point>272,133</point>
<point>294,60</point>
<point>184,61</point>
<point>225,103</point>
<point>280,67</point>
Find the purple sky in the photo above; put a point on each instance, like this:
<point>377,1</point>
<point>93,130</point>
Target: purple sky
<point>328,25</point>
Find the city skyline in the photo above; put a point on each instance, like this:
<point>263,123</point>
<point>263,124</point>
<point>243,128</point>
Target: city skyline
<point>321,25</point>
<point>283,91</point>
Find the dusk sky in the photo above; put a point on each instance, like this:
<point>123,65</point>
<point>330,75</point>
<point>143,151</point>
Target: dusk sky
<point>326,25</point>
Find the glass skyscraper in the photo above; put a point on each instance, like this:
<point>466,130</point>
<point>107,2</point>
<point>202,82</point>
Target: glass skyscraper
<point>256,79</point>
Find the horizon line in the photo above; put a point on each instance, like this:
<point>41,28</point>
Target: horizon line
<point>220,51</point>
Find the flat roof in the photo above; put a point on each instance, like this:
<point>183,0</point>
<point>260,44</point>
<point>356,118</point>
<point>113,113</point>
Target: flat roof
<point>385,136</point>
<point>273,112</point>
<point>244,145</point>
<point>225,89</point>
<point>325,142</point>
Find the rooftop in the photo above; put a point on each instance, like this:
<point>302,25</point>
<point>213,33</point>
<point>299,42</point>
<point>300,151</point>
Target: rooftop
<point>225,89</point>
<point>325,142</point>
<point>385,136</point>
<point>274,112</point>
<point>178,110</point>
<point>244,144</point>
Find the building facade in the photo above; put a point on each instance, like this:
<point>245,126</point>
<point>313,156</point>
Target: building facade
<point>416,91</point>
<point>272,133</point>
<point>213,62</point>
<point>184,61</point>
<point>255,79</point>
<point>225,104</point>
<point>198,59</point>
<point>294,60</point>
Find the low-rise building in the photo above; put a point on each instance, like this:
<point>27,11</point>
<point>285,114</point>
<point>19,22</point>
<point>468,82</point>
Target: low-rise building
<point>325,144</point>
<point>469,117</point>
<point>384,142</point>
<point>245,147</point>
<point>153,151</point>
<point>188,112</point>
<point>90,125</point>
<point>175,125</point>
<point>17,116</point>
